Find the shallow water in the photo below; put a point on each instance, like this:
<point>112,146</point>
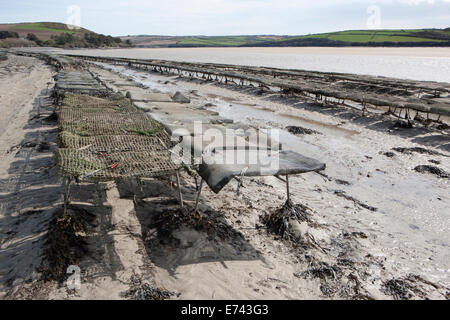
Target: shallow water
<point>431,64</point>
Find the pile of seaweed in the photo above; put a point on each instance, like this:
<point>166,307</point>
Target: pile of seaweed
<point>140,290</point>
<point>66,242</point>
<point>278,222</point>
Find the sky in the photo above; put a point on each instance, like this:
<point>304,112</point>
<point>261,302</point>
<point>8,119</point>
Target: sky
<point>230,17</point>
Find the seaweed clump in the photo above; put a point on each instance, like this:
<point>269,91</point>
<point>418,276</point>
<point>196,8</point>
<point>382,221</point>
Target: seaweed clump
<point>300,130</point>
<point>433,170</point>
<point>278,221</point>
<point>66,242</point>
<point>399,289</point>
<point>417,150</point>
<point>140,290</point>
<point>323,270</point>
<point>412,287</point>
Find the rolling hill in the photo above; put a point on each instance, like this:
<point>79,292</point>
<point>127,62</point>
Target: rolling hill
<point>43,30</point>
<point>418,37</point>
<point>62,35</point>
<point>53,34</point>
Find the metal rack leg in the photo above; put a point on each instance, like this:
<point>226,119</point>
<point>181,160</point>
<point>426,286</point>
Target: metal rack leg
<point>287,188</point>
<point>67,194</point>
<point>180,195</point>
<point>198,195</point>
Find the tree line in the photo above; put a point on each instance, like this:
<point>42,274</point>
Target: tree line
<point>68,40</point>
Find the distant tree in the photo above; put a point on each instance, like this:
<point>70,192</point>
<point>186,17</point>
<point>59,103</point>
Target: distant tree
<point>64,39</point>
<point>87,40</point>
<point>35,39</point>
<point>8,34</point>
<point>48,43</point>
<point>32,37</point>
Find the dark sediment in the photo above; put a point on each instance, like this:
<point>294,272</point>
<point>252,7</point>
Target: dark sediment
<point>356,201</point>
<point>342,182</point>
<point>417,150</point>
<point>300,130</point>
<point>433,170</point>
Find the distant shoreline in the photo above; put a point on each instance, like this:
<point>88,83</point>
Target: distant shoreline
<point>349,38</point>
<point>343,45</point>
<point>440,52</point>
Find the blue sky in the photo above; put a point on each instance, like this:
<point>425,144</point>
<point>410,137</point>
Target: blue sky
<point>230,17</point>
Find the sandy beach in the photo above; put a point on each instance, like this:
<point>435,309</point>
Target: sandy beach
<point>376,229</point>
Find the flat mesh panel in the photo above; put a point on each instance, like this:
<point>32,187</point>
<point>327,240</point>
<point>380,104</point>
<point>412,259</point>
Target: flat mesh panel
<point>119,143</point>
<point>85,101</point>
<point>97,133</point>
<point>88,129</point>
<point>130,164</point>
<point>101,116</point>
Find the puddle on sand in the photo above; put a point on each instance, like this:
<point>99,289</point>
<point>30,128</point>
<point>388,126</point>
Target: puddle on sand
<point>265,116</point>
<point>320,126</point>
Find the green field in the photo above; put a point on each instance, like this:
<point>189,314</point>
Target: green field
<point>350,37</point>
<point>220,41</point>
<point>54,34</point>
<point>377,36</point>
<point>45,26</point>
